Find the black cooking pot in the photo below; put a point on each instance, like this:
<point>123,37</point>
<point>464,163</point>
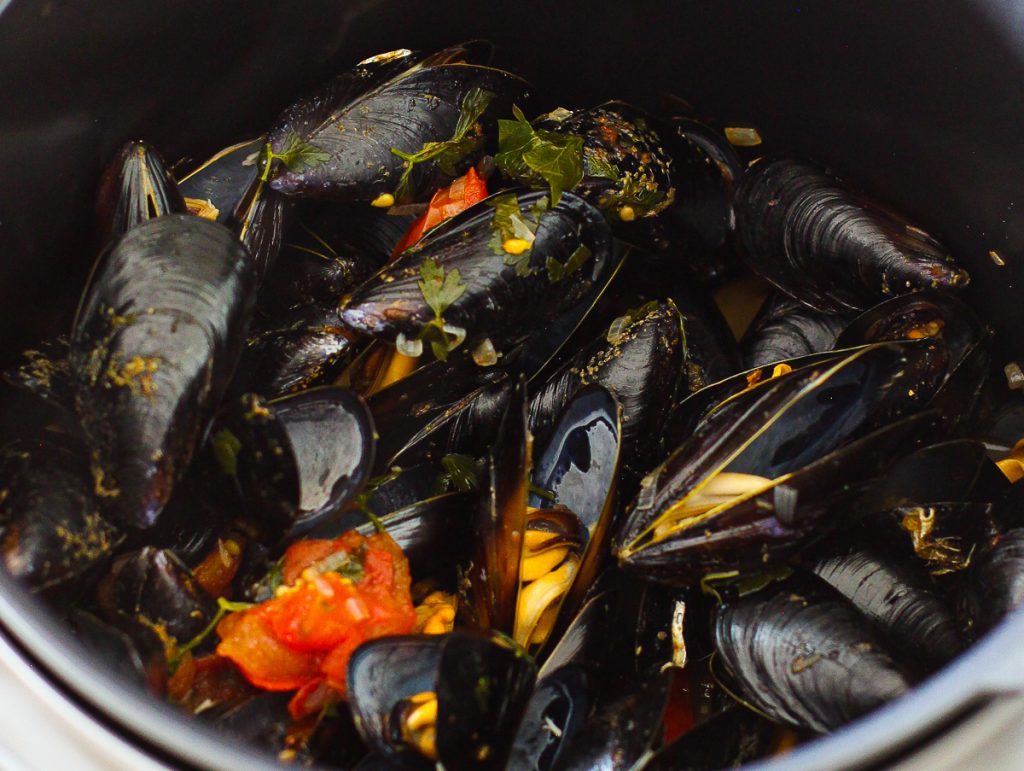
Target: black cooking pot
<point>919,102</point>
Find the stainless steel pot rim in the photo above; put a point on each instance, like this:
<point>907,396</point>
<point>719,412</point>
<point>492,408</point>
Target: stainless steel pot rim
<point>992,668</point>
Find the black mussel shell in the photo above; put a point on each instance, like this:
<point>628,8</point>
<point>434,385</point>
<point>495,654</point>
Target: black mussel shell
<point>555,713</point>
<point>816,240</point>
<point>156,338</point>
<point>705,171</point>
<point>489,292</point>
<point>579,468</point>
<point>787,329</point>
<point>409,413</point>
<point>995,581</point>
<point>729,739</point>
<point>44,372</point>
<point>803,655</point>
<point>896,595</point>
<point>626,170</point>
<point>771,451</point>
<point>261,720</point>
<point>946,320</point>
<point>618,734</point>
<point>53,536</point>
<point>296,461</point>
<point>338,143</point>
<point>296,350</point>
<point>639,360</point>
<point>138,657</point>
<point>471,431</point>
<point>136,187</point>
<point>228,189</point>
<point>154,587</point>
<point>482,683</point>
<point>491,580</point>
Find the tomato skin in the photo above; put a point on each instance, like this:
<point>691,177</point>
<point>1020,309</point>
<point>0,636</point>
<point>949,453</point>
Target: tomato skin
<point>462,193</point>
<point>303,637</point>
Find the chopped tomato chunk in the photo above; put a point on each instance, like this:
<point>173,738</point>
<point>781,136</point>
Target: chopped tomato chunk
<point>465,191</point>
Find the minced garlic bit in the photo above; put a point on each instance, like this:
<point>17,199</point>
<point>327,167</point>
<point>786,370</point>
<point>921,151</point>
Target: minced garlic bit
<point>742,136</point>
<point>383,201</point>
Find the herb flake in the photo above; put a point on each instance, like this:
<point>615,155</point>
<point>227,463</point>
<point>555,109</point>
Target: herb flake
<point>538,156</point>
<point>296,155</point>
<point>557,270</point>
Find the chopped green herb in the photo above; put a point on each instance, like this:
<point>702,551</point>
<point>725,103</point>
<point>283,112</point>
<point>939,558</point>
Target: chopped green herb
<point>276,576</point>
<point>538,156</point>
<point>296,155</point>
<point>459,473</point>
<point>343,563</point>
<point>448,153</point>
<point>510,225</point>
<point>599,168</point>
<point>557,271</point>
<point>640,194</point>
<point>225,450</point>
<point>439,291</point>
<point>223,608</point>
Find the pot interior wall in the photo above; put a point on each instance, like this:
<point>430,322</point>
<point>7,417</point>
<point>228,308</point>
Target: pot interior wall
<point>918,102</point>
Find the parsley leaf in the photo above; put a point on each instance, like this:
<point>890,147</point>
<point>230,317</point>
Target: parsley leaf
<point>451,151</point>
<point>510,224</point>
<point>225,450</point>
<point>460,473</point>
<point>557,271</point>
<point>599,168</point>
<point>534,156</point>
<point>296,155</point>
<point>440,290</point>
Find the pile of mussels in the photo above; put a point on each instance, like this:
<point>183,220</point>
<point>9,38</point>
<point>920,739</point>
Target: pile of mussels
<point>728,547</point>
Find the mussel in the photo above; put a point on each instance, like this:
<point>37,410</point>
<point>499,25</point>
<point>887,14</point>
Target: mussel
<point>759,472</point>
<point>833,249</point>
<point>803,655</point>
<point>155,341</point>
<point>298,460</point>
<point>392,129</point>
<point>486,273</point>
<point>787,329</point>
<point>453,698</point>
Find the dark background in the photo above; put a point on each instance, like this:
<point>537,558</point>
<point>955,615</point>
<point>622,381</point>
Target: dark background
<point>919,102</point>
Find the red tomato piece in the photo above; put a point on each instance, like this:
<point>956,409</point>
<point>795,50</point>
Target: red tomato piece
<point>462,193</point>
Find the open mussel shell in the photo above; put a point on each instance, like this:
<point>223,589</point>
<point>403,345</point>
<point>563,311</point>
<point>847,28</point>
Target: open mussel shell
<point>135,187</point>
<point>492,582</point>
<point>296,350</point>
<point>894,592</point>
<point>757,471</point>
<point>154,587</point>
<point>156,338</point>
<point>947,320</point>
<point>816,240</point>
<point>618,734</point>
<point>579,468</point>
<point>561,700</point>
<point>481,683</point>
<point>803,655</point>
<point>53,536</point>
<point>639,359</point>
<point>298,460</point>
<point>490,292</point>
<point>787,329</point>
<point>338,142</point>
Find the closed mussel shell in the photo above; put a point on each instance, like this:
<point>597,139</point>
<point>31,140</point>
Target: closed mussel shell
<point>135,188</point>
<point>296,461</point>
<point>501,267</point>
<point>156,338</point>
<point>338,143</point>
<point>816,240</point>
<point>787,329</point>
<point>54,536</point>
<point>995,582</point>
<point>802,654</point>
